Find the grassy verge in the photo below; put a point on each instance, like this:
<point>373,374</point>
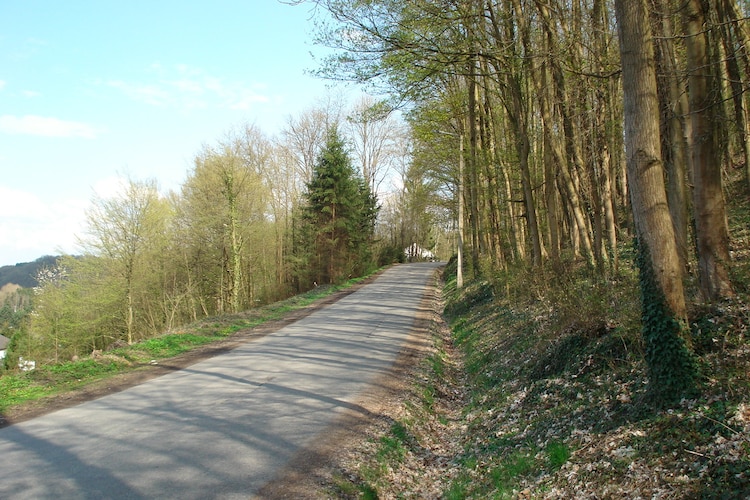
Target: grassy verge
<point>18,388</point>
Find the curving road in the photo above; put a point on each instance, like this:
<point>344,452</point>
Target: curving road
<point>223,427</point>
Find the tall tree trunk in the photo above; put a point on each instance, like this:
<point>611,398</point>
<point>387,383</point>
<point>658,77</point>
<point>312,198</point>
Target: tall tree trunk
<point>738,37</point>
<point>572,149</point>
<point>672,371</point>
<point>491,174</point>
<point>473,170</point>
<point>517,116</point>
<point>674,145</point>
<point>552,159</point>
<point>461,184</point>
<point>731,38</point>
<point>600,21</point>
<point>712,233</point>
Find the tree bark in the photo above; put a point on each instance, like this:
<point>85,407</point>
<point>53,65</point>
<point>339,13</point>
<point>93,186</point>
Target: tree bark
<point>672,371</point>
<point>737,36</point>
<point>672,100</point>
<point>517,115</point>
<point>712,233</point>
<point>643,150</point>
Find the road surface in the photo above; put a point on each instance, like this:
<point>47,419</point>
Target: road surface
<point>223,427</point>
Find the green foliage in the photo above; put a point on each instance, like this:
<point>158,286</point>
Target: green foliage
<point>458,489</point>
<point>394,446</point>
<point>391,254</point>
<point>506,474</point>
<point>78,308</point>
<point>557,454</point>
<point>498,477</point>
<point>167,346</point>
<point>76,371</point>
<point>15,307</point>
<point>223,226</point>
<point>19,388</point>
<point>474,294</point>
<point>332,235</point>
<point>672,369</point>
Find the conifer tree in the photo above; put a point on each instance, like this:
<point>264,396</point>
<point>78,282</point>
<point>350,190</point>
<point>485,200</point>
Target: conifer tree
<point>339,212</point>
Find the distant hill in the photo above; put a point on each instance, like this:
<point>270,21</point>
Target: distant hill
<point>23,274</point>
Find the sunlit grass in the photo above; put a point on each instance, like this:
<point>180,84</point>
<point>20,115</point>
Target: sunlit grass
<point>17,389</point>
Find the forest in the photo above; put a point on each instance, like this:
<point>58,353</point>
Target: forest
<point>542,136</point>
<point>257,219</point>
<point>589,134</point>
<point>594,157</point>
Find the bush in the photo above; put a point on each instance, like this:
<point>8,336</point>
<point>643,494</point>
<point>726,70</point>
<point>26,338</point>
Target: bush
<point>391,254</point>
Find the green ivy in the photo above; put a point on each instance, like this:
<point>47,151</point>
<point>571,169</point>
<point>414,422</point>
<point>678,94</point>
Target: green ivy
<point>672,368</point>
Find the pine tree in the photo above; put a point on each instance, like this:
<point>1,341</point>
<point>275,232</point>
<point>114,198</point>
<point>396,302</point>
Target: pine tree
<point>340,210</point>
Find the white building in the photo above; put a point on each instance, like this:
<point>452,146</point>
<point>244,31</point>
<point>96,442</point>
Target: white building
<point>4,341</point>
<point>415,252</point>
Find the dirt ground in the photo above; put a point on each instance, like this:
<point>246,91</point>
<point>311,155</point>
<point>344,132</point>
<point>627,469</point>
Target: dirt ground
<point>307,475</point>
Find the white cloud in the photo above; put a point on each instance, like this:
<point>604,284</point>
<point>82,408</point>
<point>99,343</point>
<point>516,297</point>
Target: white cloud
<point>185,87</point>
<point>19,203</point>
<point>2,84</point>
<point>32,227</point>
<point>150,94</point>
<point>45,126</point>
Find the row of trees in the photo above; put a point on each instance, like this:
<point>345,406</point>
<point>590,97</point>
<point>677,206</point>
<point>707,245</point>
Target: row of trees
<point>255,220</point>
<point>561,128</point>
<point>550,132</point>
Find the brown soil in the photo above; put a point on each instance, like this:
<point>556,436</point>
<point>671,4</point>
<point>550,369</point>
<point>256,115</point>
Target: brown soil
<point>310,472</point>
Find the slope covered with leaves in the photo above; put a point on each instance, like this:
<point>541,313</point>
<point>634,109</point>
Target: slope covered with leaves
<point>565,399</point>
<point>535,387</point>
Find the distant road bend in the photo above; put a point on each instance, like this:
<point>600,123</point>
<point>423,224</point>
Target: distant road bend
<point>223,427</point>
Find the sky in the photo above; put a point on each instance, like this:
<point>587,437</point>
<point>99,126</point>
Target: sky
<point>92,92</point>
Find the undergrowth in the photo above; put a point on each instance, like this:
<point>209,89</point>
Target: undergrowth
<point>559,405</point>
<point>556,394</point>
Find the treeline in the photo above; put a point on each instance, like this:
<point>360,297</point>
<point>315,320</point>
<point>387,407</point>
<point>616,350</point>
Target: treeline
<point>257,219</point>
<point>563,130</point>
<point>24,273</point>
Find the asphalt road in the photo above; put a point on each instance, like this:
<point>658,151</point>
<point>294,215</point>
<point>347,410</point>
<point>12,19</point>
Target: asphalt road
<point>223,427</point>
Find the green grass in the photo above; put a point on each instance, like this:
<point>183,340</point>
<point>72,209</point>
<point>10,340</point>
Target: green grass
<point>557,454</point>
<point>76,371</point>
<point>393,446</point>
<point>18,389</point>
<point>506,474</point>
<point>168,346</point>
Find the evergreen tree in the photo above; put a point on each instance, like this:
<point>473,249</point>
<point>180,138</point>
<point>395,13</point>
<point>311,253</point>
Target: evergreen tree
<point>339,214</point>
<point>364,229</point>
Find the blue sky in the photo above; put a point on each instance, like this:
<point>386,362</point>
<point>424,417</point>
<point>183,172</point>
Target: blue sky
<point>91,91</point>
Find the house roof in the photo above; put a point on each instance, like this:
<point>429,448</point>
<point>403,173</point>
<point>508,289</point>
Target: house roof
<point>4,341</point>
